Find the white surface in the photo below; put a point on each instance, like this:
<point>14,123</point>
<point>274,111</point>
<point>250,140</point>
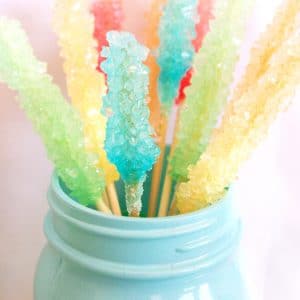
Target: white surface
<point>267,191</point>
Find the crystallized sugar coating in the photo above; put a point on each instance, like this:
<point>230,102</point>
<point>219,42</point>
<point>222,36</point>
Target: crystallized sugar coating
<point>54,119</point>
<point>175,53</point>
<point>184,83</point>
<point>108,16</point>
<point>152,42</point>
<point>214,66</point>
<point>245,123</point>
<point>74,26</point>
<point>128,141</point>
<point>269,42</point>
<point>205,12</point>
<point>202,27</point>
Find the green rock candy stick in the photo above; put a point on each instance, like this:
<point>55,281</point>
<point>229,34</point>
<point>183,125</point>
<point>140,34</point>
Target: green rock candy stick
<point>214,66</point>
<point>54,119</point>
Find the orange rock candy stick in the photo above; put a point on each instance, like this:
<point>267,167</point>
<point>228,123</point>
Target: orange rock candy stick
<point>152,42</point>
<point>158,121</point>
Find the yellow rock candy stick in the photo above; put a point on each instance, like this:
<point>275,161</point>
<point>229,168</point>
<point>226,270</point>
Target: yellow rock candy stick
<point>74,26</point>
<point>269,42</point>
<point>245,122</point>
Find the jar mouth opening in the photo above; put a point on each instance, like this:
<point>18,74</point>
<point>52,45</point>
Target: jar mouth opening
<point>59,191</point>
<point>190,242</point>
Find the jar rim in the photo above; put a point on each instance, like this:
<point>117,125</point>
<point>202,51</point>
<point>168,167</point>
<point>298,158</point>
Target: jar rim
<point>57,188</point>
<point>191,242</point>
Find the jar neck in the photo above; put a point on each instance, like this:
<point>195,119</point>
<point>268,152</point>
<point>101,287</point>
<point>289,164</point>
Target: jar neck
<point>137,247</point>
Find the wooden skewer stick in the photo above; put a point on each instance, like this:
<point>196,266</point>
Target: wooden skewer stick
<point>164,202</point>
<point>135,214</point>
<point>105,198</point>
<point>113,199</point>
<point>101,206</point>
<point>165,196</point>
<point>173,209</point>
<point>157,169</point>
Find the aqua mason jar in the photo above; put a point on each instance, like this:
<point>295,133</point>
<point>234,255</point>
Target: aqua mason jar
<point>93,256</point>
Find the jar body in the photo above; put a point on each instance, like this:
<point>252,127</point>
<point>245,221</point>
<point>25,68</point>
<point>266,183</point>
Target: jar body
<point>62,280</point>
<point>91,256</point>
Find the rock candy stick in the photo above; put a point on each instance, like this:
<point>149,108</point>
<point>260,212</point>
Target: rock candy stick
<point>246,121</point>
<point>205,12</point>
<point>202,27</point>
<point>128,141</point>
<point>268,43</point>
<point>55,120</point>
<point>214,66</point>
<point>108,16</point>
<point>152,42</point>
<point>175,53</point>
<point>74,26</point>
<point>157,120</point>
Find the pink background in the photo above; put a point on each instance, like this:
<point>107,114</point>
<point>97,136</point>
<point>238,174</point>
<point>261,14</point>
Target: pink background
<point>267,191</point>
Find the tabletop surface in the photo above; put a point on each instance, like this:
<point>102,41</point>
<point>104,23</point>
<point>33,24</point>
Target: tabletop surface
<point>267,191</point>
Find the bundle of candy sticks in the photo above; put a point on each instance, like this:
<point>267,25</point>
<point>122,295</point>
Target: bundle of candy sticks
<point>123,95</point>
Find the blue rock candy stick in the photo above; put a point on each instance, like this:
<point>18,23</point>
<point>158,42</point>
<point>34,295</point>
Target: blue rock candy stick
<point>54,119</point>
<point>176,51</point>
<point>128,143</point>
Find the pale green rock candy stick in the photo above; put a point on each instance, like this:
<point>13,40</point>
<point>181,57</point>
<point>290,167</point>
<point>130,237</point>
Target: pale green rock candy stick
<point>54,119</point>
<point>214,66</point>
